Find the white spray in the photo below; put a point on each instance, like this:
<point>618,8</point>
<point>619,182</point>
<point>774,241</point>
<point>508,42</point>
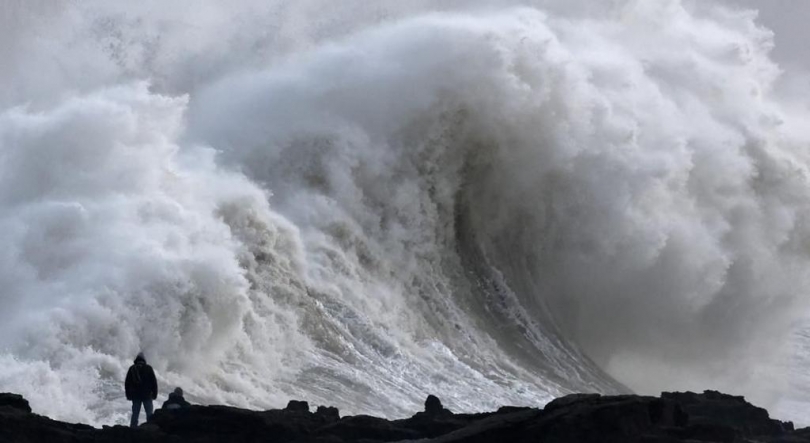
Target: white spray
<point>363,205</point>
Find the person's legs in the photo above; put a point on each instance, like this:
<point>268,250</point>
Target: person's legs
<point>136,411</point>
<point>147,406</point>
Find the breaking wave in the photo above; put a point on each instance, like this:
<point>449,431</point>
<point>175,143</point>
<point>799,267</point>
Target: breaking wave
<point>359,206</point>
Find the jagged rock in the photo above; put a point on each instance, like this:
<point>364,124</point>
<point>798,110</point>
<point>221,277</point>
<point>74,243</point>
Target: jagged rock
<point>367,428</point>
<point>594,419</point>
<point>19,425</point>
<point>433,406</point>
<point>297,406</point>
<point>328,413</point>
<point>581,418</point>
<point>715,408</point>
<point>223,423</point>
<point>509,426</point>
<point>438,424</point>
<point>572,399</point>
<point>14,401</point>
<point>435,420</point>
<point>671,418</point>
<point>509,409</point>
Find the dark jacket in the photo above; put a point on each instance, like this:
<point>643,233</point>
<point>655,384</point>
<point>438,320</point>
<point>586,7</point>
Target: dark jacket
<point>141,383</point>
<point>175,401</point>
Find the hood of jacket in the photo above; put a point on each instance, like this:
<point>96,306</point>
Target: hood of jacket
<point>140,358</point>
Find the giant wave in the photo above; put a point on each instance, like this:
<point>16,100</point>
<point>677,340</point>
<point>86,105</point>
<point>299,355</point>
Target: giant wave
<point>361,205</point>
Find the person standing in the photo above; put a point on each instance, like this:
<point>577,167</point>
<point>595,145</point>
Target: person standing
<point>141,388</point>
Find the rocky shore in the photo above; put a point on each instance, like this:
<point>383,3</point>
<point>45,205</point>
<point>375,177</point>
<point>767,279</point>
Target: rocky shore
<point>582,418</point>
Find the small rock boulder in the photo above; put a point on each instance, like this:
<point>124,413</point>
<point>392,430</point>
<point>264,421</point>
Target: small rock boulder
<point>434,407</point>
<point>297,406</point>
<point>328,413</point>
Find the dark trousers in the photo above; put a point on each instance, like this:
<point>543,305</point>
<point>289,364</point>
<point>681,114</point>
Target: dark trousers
<point>136,411</point>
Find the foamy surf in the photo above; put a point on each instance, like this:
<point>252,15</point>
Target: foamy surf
<point>359,206</point>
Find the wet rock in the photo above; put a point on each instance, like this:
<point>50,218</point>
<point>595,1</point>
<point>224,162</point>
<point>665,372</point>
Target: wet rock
<point>297,406</point>
<point>436,420</point>
<point>369,429</point>
<point>14,401</point>
<point>715,408</point>
<point>19,425</point>
<point>328,413</point>
<point>671,418</point>
<point>581,418</point>
<point>433,406</point>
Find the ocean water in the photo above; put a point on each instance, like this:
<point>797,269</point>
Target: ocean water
<point>360,204</point>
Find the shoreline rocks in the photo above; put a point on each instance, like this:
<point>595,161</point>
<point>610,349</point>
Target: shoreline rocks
<point>673,417</point>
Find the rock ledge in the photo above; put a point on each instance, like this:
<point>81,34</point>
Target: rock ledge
<point>582,418</point>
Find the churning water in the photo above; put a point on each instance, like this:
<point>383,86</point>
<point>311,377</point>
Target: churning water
<point>359,203</point>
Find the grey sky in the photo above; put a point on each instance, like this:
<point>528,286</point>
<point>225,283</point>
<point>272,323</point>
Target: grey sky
<point>789,20</point>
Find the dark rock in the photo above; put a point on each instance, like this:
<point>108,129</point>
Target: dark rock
<point>436,424</point>
<point>497,427</point>
<point>367,428</point>
<point>569,400</point>
<point>509,409</point>
<point>197,423</point>
<point>19,425</point>
<point>14,401</point>
<point>435,420</point>
<point>434,408</point>
<point>582,418</point>
<point>601,419</point>
<point>715,408</point>
<point>297,406</point>
<point>673,417</point>
<point>433,405</point>
<point>666,413</point>
<point>328,413</point>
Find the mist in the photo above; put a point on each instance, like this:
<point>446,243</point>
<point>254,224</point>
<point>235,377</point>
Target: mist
<point>359,205</point>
